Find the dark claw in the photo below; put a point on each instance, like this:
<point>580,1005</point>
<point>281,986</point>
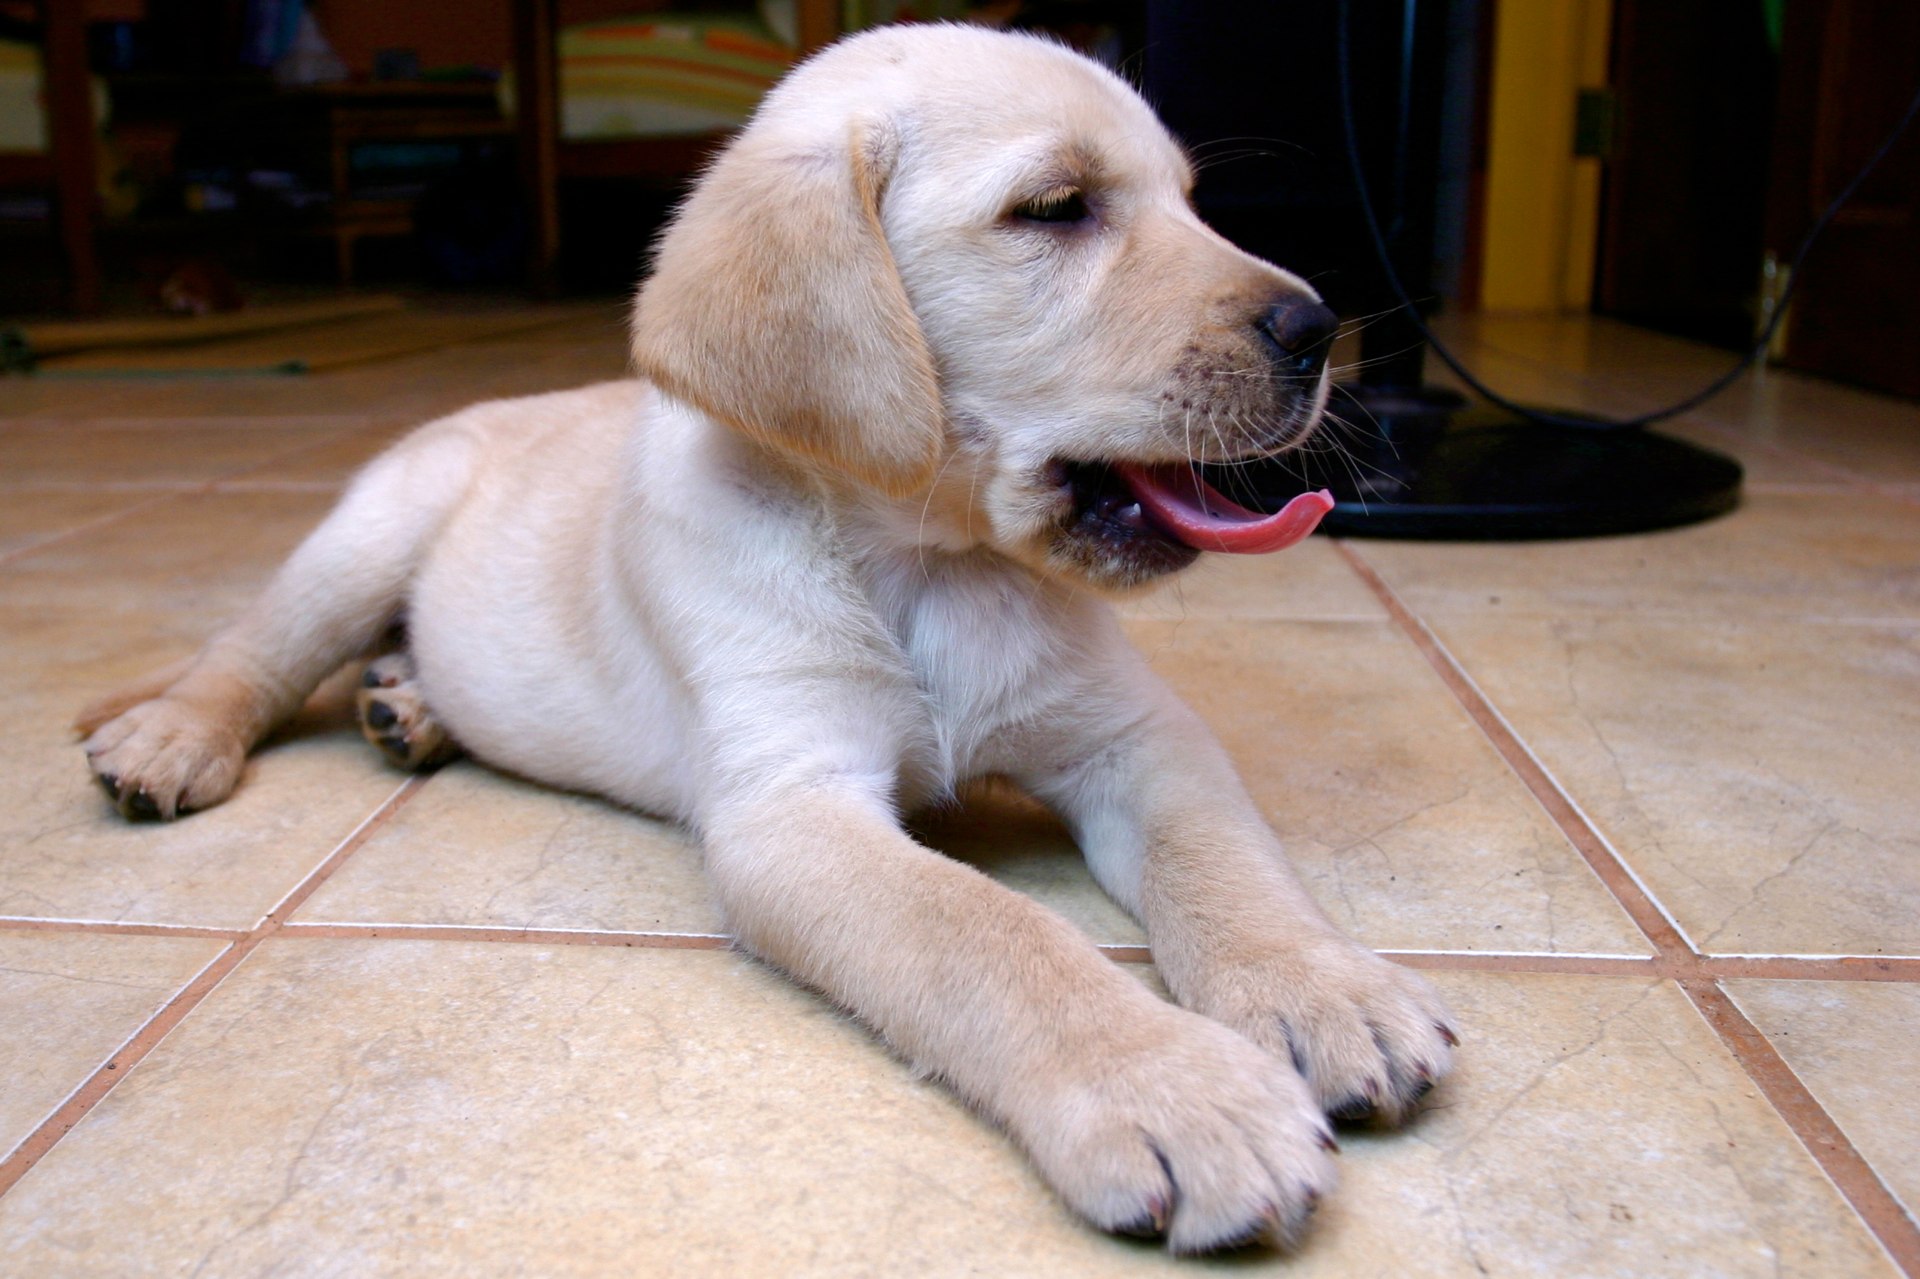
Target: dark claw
<point>110,784</point>
<point>140,807</point>
<point>1151,1226</point>
<point>1242,1237</point>
<point>396,746</point>
<point>1352,1110</point>
<point>1420,1090</point>
<point>1327,1143</point>
<point>1446,1033</point>
<point>371,679</point>
<point>380,715</point>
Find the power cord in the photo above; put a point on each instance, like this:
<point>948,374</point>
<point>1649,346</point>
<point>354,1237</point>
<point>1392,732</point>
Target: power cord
<point>1466,375</point>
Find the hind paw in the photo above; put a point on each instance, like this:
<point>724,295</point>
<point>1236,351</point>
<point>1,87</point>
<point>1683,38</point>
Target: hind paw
<point>395,718</point>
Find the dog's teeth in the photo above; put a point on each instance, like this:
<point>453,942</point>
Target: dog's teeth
<point>1131,516</point>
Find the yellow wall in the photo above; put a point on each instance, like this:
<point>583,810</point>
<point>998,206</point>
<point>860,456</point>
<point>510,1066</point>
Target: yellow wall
<point>1542,203</point>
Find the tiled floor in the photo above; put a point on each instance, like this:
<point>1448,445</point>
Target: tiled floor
<point>1645,807</point>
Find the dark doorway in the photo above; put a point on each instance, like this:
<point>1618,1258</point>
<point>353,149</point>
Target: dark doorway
<point>1683,214</point>
<point>1849,69</point>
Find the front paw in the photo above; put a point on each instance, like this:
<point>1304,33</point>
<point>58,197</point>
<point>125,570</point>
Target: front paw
<point>164,758</point>
<point>1370,1038</point>
<point>1186,1131</point>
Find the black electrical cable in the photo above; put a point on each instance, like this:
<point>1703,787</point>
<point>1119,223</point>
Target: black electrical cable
<point>1447,357</point>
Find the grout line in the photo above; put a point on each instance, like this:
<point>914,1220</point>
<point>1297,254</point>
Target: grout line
<point>234,481</point>
<point>1698,976</point>
<point>1828,1143</point>
<point>274,919</point>
<point>1640,904</point>
<point>161,487</point>
<point>239,475</point>
<point>279,486</point>
<point>484,933</point>
<point>1688,967</point>
<point>1788,453</point>
<point>175,422</point>
<point>1583,965</point>
<point>100,521</point>
<point>115,927</point>
<point>48,1132</point>
<point>156,1028</point>
<point>1812,967</point>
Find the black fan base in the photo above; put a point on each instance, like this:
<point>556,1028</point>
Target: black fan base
<point>1422,465</point>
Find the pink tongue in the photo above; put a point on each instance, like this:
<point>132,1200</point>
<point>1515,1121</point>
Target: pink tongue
<point>1194,511</point>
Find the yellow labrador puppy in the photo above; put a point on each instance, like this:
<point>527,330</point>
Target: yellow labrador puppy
<point>929,354</point>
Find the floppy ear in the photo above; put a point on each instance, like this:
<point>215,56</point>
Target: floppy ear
<point>775,306</point>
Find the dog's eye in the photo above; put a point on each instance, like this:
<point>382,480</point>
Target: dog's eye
<point>1066,205</point>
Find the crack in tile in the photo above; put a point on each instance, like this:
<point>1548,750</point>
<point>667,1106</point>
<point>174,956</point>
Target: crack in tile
<point>290,1183</point>
<point>90,981</point>
<point>1540,1078</point>
<point>1760,885</point>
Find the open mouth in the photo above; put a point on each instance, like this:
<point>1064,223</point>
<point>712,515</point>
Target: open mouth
<point>1170,512</point>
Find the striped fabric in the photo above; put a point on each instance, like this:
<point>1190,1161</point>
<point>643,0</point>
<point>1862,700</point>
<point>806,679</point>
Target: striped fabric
<point>670,75</point>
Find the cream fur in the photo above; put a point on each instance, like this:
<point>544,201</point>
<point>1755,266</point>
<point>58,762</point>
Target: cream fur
<point>811,576</point>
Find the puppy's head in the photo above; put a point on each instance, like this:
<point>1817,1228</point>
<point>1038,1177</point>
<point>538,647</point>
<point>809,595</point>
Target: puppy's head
<point>962,268</point>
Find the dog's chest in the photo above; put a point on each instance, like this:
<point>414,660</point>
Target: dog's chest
<point>996,661</point>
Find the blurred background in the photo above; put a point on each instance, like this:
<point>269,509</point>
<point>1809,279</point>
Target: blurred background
<point>1652,162</point>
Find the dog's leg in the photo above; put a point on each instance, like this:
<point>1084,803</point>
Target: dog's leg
<point>1145,1118</point>
<point>183,749</point>
<point>1171,834</point>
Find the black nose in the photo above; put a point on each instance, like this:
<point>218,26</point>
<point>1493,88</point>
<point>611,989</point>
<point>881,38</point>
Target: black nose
<point>1299,334</point>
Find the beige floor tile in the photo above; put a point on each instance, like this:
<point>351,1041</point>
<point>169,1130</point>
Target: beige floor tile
<point>477,849</point>
<point>92,611</point>
<point>1852,1044</point>
<point>1594,1127</point>
<point>1871,436</point>
<point>1410,830</point>
<point>68,1001</point>
<point>65,855</point>
<point>183,453</point>
<point>1758,777</point>
<point>332,463</point>
<point>1311,580</point>
<point>66,399</point>
<point>31,517</point>
<point>195,560</point>
<point>1849,556</point>
<point>354,393</point>
<point>1019,843</point>
<point>451,1108</point>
